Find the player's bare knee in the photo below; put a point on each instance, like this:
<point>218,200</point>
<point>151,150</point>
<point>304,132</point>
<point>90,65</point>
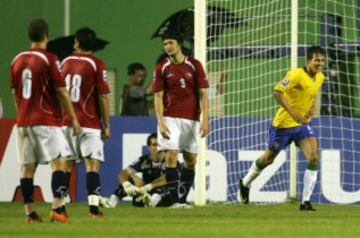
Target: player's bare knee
<point>190,164</point>
<point>189,160</point>
<point>162,155</point>
<point>269,156</point>
<point>172,154</point>
<point>314,157</point>
<point>28,170</point>
<point>268,161</point>
<point>171,159</point>
<point>275,148</point>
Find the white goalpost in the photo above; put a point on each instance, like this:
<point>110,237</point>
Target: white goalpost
<point>248,46</point>
<point>294,64</point>
<point>200,54</point>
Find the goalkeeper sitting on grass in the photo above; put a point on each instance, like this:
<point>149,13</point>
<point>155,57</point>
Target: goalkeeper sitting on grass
<point>148,189</point>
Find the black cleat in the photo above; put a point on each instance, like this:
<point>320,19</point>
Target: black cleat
<point>244,192</point>
<point>306,206</point>
<point>33,217</point>
<point>166,201</point>
<point>120,192</point>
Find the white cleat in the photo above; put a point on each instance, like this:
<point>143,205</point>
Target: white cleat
<point>104,202</point>
<point>154,200</point>
<point>113,201</point>
<point>180,206</point>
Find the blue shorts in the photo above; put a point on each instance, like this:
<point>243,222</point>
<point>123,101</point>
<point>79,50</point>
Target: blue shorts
<point>279,138</point>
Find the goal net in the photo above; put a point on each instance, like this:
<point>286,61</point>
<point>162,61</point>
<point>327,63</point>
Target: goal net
<point>248,51</point>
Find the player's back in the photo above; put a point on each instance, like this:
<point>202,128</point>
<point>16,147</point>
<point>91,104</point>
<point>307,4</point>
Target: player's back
<point>85,78</point>
<point>34,76</point>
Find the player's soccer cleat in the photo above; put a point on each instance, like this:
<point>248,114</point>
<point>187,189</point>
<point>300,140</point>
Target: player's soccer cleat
<point>64,211</point>
<point>154,200</point>
<point>180,206</point>
<point>120,192</point>
<point>306,206</point>
<point>99,215</point>
<point>105,202</point>
<point>244,192</point>
<point>166,201</point>
<point>187,206</point>
<point>33,217</point>
<point>59,217</point>
<point>113,201</point>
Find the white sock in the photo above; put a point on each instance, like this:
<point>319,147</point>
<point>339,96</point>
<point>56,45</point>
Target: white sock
<point>251,175</point>
<point>310,177</point>
<point>93,200</point>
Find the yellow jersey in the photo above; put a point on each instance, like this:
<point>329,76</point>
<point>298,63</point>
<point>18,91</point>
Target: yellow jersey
<point>300,91</point>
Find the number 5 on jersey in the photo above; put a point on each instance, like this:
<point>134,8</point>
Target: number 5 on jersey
<point>73,83</point>
<point>182,83</point>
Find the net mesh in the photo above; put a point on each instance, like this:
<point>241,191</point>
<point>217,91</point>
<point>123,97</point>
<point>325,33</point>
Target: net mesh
<point>248,51</point>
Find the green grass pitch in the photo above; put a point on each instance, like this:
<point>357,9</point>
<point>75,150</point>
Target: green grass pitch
<point>218,220</point>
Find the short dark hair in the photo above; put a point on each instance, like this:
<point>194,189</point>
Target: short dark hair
<point>151,136</point>
<point>315,49</point>
<point>172,35</point>
<point>38,29</point>
<point>86,38</point>
<point>134,67</point>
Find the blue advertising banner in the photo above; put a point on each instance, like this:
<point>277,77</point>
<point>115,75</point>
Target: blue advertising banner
<point>231,151</point>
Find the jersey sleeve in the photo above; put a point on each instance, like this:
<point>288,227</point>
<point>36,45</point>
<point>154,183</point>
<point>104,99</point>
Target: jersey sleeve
<point>290,81</point>
<point>55,69</point>
<point>158,81</point>
<point>200,75</point>
<point>135,166</point>
<point>101,78</point>
<point>13,82</point>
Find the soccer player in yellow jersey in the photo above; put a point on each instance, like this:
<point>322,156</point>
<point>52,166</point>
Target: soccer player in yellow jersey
<point>296,94</point>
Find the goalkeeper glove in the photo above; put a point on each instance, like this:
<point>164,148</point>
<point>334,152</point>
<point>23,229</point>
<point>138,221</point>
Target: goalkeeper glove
<point>144,198</point>
<point>130,189</point>
<point>146,188</point>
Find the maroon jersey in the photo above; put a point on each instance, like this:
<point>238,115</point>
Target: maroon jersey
<point>180,83</point>
<point>35,74</point>
<point>85,78</point>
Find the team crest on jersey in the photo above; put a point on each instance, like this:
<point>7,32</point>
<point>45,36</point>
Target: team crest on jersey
<point>285,82</point>
<point>105,76</point>
<point>170,75</point>
<point>188,75</point>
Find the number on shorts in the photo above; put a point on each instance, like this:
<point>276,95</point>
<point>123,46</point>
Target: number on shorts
<point>310,130</point>
<point>73,83</point>
<point>26,83</point>
<point>182,83</point>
